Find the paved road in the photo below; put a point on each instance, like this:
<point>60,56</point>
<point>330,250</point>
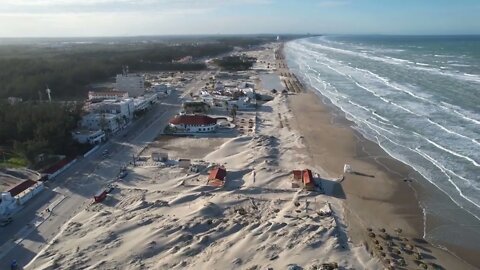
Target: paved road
<point>71,191</point>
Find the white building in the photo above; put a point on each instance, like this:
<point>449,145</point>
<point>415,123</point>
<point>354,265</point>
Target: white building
<point>124,108</point>
<point>105,121</point>
<point>96,96</point>
<point>144,102</point>
<point>134,84</point>
<point>162,89</point>
<point>89,136</point>
<point>243,103</point>
<point>193,123</point>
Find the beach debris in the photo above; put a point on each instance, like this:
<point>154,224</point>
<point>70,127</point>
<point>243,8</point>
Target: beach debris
<point>294,267</point>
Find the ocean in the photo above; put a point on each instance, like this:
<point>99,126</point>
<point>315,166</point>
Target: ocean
<point>418,97</point>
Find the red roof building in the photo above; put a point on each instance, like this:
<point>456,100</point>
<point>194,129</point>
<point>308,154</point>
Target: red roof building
<point>21,187</point>
<point>193,123</point>
<point>216,177</point>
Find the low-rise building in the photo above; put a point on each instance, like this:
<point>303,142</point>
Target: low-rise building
<point>123,108</point>
<point>144,102</point>
<point>17,186</point>
<point>193,123</point>
<point>107,122</point>
<point>102,95</point>
<point>89,136</point>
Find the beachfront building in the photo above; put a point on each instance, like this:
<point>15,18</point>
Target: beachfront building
<point>193,123</point>
<point>217,176</point>
<point>89,136</point>
<point>95,96</point>
<point>133,84</point>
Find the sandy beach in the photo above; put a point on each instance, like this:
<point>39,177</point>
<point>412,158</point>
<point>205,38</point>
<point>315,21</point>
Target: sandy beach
<point>167,216</point>
<point>382,198</point>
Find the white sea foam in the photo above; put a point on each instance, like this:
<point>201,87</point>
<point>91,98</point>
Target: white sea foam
<point>453,132</point>
<point>471,160</point>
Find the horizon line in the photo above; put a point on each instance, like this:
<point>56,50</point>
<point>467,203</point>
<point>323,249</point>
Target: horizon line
<point>231,35</point>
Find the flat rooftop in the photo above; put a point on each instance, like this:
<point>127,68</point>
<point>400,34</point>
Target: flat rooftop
<point>10,178</point>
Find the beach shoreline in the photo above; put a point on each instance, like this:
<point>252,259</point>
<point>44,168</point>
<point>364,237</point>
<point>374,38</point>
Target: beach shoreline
<point>387,200</point>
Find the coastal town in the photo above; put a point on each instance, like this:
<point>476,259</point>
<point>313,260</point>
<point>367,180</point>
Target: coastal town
<point>197,170</point>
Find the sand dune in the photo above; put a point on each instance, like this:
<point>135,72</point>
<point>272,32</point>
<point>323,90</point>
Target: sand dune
<point>170,218</point>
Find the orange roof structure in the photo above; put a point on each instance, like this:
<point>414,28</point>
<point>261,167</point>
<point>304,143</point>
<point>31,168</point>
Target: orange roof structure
<point>297,175</point>
<point>216,177</point>
<point>307,177</point>
<point>218,173</point>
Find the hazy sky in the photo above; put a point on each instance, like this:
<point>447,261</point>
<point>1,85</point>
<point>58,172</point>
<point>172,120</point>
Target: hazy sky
<point>34,18</point>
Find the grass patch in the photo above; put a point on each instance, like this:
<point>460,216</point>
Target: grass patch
<point>13,162</point>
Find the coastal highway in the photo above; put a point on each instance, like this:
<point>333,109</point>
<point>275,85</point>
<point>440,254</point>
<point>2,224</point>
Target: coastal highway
<point>70,192</point>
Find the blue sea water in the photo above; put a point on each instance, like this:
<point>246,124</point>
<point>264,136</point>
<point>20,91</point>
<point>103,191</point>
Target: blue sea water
<point>418,97</point>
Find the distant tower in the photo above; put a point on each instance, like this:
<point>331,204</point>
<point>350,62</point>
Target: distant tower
<point>125,71</point>
<point>278,38</point>
<point>48,93</point>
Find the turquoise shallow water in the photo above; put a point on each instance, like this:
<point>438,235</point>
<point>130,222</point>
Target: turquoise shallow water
<point>417,97</point>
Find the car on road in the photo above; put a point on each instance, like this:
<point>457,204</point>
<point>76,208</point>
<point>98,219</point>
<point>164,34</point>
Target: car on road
<point>6,221</point>
<point>122,174</point>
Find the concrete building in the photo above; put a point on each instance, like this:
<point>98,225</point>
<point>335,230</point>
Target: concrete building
<point>124,108</point>
<point>89,136</point>
<point>133,84</point>
<point>98,96</point>
<point>193,123</point>
<point>144,102</point>
<point>107,122</point>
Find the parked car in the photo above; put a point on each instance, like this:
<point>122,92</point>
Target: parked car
<point>5,222</point>
<point>100,196</point>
